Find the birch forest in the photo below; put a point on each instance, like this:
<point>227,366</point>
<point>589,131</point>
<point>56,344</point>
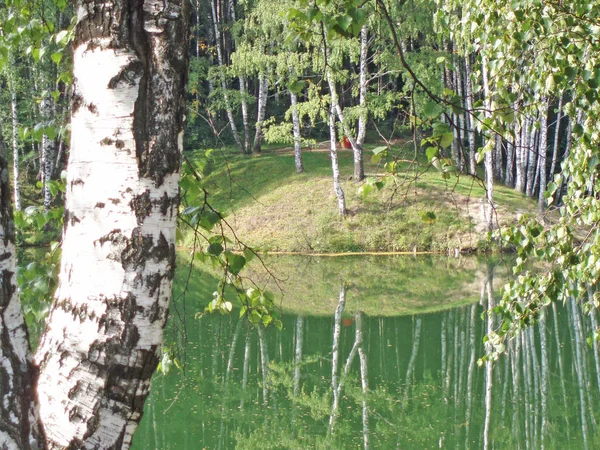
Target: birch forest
<point>153,147</point>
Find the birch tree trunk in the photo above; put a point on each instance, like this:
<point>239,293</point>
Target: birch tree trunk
<point>19,423</point>
<point>337,110</point>
<point>542,152</point>
<point>221,62</point>
<point>470,108</point>
<point>15,148</point>
<point>488,158</point>
<point>335,168</point>
<point>363,118</point>
<point>47,151</point>
<point>104,332</point>
<point>263,90</point>
<point>297,136</point>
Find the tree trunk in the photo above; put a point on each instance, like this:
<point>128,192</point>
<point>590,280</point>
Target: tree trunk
<point>19,423</point>
<point>263,91</point>
<point>297,136</point>
<point>221,62</point>
<point>470,108</point>
<point>104,332</point>
<point>556,143</point>
<point>542,151</point>
<point>15,148</point>
<point>337,110</point>
<point>47,150</point>
<point>335,168</point>
<point>488,158</point>
<point>363,118</point>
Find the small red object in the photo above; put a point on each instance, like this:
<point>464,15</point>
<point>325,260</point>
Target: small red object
<point>347,322</point>
<point>346,143</point>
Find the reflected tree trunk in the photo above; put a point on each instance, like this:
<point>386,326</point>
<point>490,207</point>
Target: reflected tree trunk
<point>298,355</point>
<point>413,359</point>
<point>560,367</point>
<point>488,363</point>
<point>264,364</point>
<point>364,377</point>
<point>335,355</point>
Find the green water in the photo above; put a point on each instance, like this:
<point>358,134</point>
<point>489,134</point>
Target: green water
<point>346,372</point>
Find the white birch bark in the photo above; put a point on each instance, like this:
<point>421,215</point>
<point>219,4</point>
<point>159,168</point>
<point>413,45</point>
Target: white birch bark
<point>520,160</point>
<point>297,136</point>
<point>542,152</point>
<point>363,118</point>
<point>263,90</point>
<point>488,158</point>
<point>337,110</point>
<point>335,168</point>
<point>221,63</point>
<point>298,353</point>
<point>556,142</point>
<point>531,159</point>
<point>335,354</point>
<point>47,153</point>
<point>471,119</point>
<point>19,421</point>
<point>104,333</point>
<point>15,148</point>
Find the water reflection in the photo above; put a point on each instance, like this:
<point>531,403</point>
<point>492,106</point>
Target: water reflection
<point>351,380</point>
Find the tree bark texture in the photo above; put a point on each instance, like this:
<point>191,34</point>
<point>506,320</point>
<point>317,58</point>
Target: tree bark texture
<point>104,332</point>
<point>261,112</point>
<point>297,136</point>
<point>19,423</point>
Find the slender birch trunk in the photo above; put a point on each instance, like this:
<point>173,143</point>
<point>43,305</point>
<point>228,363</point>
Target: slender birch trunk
<point>297,136</point>
<point>412,360</point>
<point>521,163</point>
<point>364,376</point>
<point>298,353</point>
<point>542,152</point>
<point>471,122</point>
<point>104,332</point>
<point>335,354</point>
<point>531,160</point>
<point>221,63</point>
<point>263,91</point>
<point>337,185</point>
<point>556,143</point>
<point>337,110</point>
<point>19,422</point>
<point>488,158</point>
<point>15,148</point>
<point>47,152</point>
<point>363,118</point>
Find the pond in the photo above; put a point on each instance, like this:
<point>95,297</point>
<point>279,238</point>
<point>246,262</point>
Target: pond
<point>375,352</point>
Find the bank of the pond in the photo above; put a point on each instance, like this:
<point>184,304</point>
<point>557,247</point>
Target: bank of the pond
<point>271,208</point>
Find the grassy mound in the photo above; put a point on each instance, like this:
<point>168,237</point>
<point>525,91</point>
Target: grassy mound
<point>274,209</point>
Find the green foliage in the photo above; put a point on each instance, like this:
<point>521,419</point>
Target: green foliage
<point>229,256</point>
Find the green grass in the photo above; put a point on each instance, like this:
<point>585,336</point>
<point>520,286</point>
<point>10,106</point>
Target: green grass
<point>274,209</point>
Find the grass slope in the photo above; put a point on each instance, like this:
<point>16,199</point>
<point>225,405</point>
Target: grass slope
<point>274,209</point>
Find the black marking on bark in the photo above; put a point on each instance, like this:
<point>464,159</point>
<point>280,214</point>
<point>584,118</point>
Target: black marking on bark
<point>128,75</point>
<point>4,256</point>
<point>142,206</point>
<point>76,103</point>
<point>74,219</point>
<point>119,144</point>
<point>153,283</point>
<point>92,108</point>
<point>115,201</point>
<point>76,182</point>
<point>100,205</point>
<point>114,236</point>
<point>106,141</point>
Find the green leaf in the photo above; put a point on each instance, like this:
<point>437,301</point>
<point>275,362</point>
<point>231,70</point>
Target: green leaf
<point>296,87</point>
<point>215,249</point>
<point>431,153</point>
<point>235,262</point>
<point>428,217</point>
<point>56,57</point>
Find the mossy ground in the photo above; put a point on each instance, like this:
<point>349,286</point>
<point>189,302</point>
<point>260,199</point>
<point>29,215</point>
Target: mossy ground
<point>272,208</point>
